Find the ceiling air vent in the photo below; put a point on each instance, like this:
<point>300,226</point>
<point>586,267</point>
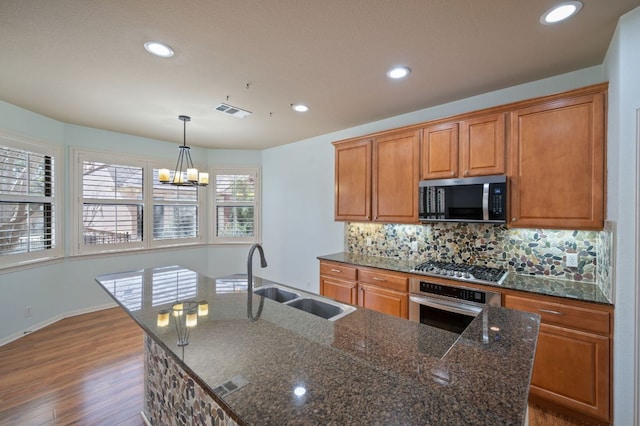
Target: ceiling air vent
<point>234,111</point>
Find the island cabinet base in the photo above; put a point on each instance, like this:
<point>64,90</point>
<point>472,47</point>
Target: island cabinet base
<point>172,397</point>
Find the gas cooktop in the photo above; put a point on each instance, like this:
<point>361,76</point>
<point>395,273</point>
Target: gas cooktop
<point>462,272</point>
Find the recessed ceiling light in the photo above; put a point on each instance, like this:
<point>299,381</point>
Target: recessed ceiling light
<point>159,49</point>
<point>398,72</point>
<point>299,107</point>
<point>560,12</point>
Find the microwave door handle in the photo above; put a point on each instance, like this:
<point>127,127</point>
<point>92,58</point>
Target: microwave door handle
<point>449,307</point>
<point>485,201</point>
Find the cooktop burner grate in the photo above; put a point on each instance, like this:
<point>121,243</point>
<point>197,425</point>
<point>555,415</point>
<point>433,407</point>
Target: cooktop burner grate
<point>462,272</point>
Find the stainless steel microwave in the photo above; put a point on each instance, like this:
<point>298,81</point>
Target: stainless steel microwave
<point>476,199</point>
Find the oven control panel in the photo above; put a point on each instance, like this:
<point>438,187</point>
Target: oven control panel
<point>467,294</point>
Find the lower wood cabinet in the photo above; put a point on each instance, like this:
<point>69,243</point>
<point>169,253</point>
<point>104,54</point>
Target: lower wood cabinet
<point>384,291</point>
<point>383,300</point>
<point>572,368</point>
<point>376,289</point>
<point>340,290</point>
<point>338,281</point>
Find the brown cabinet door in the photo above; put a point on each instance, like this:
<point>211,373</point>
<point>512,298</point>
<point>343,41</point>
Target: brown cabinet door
<point>572,369</point>
<point>395,177</point>
<point>342,291</point>
<point>557,164</point>
<point>382,300</point>
<point>353,180</point>
<point>482,146</point>
<point>439,151</point>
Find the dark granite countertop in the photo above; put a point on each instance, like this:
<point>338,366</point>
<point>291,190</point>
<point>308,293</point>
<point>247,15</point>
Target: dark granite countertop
<point>364,368</point>
<point>575,290</point>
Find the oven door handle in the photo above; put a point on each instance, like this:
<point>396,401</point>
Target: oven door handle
<point>457,308</point>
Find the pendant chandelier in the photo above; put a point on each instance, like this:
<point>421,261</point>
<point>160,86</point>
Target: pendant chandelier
<point>184,174</point>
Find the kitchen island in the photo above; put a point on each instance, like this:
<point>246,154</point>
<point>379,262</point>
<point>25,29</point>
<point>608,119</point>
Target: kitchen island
<point>293,367</point>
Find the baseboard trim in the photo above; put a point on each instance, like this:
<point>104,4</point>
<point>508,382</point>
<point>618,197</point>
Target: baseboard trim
<point>54,319</point>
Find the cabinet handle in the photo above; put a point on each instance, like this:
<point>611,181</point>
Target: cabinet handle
<point>453,173</point>
<point>549,311</point>
<point>513,219</point>
<point>466,172</point>
<point>378,279</point>
<point>336,270</point>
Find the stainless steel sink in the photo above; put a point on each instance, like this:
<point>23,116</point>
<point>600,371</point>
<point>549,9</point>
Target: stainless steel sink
<point>318,306</point>
<point>322,308</point>
<point>276,293</point>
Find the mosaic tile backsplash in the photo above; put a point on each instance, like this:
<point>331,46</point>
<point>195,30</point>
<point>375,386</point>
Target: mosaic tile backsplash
<point>522,251</point>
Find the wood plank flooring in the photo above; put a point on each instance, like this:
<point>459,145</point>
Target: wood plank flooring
<point>85,370</point>
<point>88,370</point>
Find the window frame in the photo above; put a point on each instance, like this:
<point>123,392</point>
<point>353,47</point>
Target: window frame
<point>78,156</point>
<point>24,143</point>
<point>257,215</point>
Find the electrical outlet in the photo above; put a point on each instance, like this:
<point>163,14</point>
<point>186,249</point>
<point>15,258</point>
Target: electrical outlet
<point>572,260</point>
<point>414,245</point>
<point>368,241</point>
<point>27,311</point>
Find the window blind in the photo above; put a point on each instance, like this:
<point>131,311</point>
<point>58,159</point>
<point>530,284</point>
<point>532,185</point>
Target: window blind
<point>27,216</point>
<point>235,209</point>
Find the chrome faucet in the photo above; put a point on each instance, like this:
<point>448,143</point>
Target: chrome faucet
<point>263,263</point>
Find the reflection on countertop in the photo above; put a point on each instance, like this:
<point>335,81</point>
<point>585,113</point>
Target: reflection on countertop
<point>363,368</point>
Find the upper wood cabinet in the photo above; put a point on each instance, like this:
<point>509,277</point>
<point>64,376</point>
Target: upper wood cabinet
<point>557,163</point>
<point>439,151</point>
<point>377,178</point>
<point>482,146</point>
<point>353,180</point>
<point>396,165</point>
<point>551,148</point>
<point>471,147</point>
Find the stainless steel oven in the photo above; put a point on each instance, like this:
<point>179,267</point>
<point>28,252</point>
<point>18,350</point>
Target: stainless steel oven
<point>448,307</point>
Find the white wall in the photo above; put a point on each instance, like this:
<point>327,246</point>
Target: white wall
<point>298,181</point>
<point>622,66</point>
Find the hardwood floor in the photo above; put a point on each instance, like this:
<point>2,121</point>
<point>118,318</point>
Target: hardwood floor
<point>88,370</point>
<point>85,370</point>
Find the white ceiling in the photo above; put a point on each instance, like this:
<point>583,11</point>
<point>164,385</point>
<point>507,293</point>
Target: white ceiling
<point>83,62</point>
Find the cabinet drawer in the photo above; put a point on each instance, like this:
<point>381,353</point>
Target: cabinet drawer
<point>338,270</point>
<point>386,279</point>
<point>576,317</point>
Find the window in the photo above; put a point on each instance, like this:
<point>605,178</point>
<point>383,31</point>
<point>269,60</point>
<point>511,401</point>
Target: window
<point>29,227</point>
<point>112,207</point>
<point>175,210</point>
<point>124,207</point>
<point>236,206</point>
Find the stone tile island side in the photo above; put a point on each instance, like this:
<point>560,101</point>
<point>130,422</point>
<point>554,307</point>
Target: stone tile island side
<point>291,367</point>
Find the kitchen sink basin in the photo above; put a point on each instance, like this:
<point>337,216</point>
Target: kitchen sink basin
<point>276,293</point>
<point>324,309</point>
